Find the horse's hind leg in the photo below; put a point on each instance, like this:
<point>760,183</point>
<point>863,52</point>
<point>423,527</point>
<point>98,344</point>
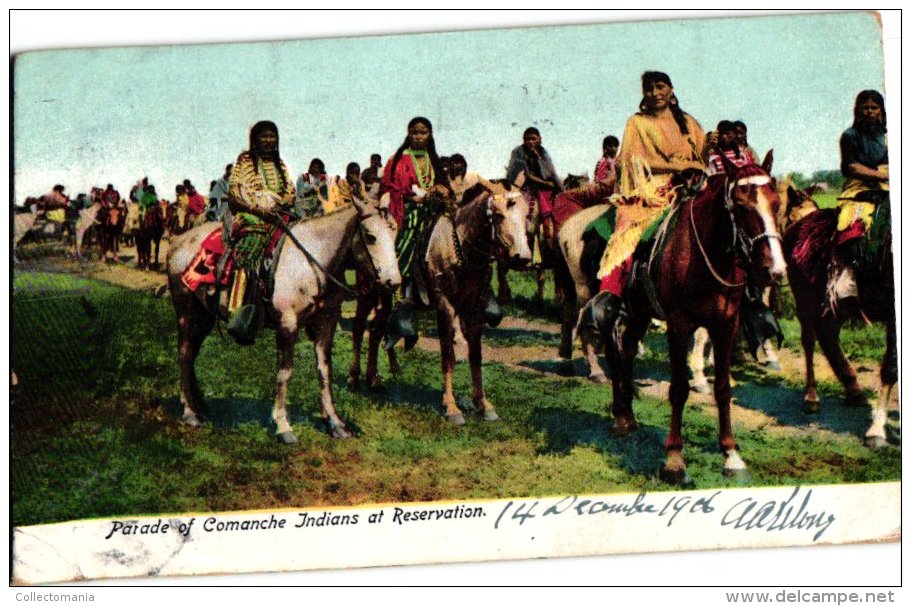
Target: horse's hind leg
<point>697,361</point>
<point>358,325</point>
<point>193,325</point>
<point>446,329</point>
<point>827,331</point>
<point>808,340</point>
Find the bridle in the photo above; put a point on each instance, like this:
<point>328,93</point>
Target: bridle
<point>359,249</point>
<point>742,243</point>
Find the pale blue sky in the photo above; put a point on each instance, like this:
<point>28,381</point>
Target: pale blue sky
<point>87,117</point>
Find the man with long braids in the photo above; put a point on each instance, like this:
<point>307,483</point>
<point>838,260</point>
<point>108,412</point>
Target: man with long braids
<point>664,150</point>
<point>412,177</point>
<point>259,186</point>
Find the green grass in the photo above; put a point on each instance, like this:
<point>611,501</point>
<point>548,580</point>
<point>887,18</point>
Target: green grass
<point>95,424</point>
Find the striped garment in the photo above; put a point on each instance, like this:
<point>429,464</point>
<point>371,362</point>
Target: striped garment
<point>716,166</point>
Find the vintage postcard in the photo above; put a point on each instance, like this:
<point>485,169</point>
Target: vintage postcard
<point>591,289</point>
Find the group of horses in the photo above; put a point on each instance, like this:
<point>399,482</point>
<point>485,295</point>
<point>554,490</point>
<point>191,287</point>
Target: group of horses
<point>105,227</point>
<point>725,236</point>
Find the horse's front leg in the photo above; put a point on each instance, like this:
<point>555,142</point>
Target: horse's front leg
<point>504,294</point>
<point>679,332</point>
<point>888,376</point>
<point>808,341</point>
<point>324,335</point>
<point>724,339</point>
<point>285,339</point>
<point>828,332</point>
<point>446,329</point>
<point>472,329</point>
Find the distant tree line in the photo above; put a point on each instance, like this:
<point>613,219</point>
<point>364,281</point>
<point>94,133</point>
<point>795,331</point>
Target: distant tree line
<point>833,179</point>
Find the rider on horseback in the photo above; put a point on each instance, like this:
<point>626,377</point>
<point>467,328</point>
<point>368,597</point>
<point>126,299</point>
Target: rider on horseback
<point>865,166</point>
<point>664,151</point>
<point>413,178</point>
<point>260,184</point>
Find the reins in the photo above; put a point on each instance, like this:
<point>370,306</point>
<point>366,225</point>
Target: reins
<point>280,222</point>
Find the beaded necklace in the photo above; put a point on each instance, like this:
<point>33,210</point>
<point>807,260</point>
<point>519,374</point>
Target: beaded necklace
<point>422,166</point>
<point>269,173</point>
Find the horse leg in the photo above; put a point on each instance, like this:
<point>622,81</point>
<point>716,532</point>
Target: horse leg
<point>285,339</point>
<point>472,332</point>
<point>888,376</point>
<point>808,340</point>
<point>697,361</point>
<point>193,325</point>
<point>324,332</point>
<point>358,325</point>
<point>541,279</point>
<point>827,331</point>
<point>446,330</point>
<point>567,325</point>
<point>378,332</point>
<point>724,340</point>
<point>679,333</point>
<point>504,294</point>
<point>622,405</point>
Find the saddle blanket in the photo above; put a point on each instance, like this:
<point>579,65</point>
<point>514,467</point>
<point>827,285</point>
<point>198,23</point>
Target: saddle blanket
<point>204,267</point>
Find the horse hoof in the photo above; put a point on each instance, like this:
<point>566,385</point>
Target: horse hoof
<point>377,386</point>
<point>286,437</point>
<point>856,400</point>
<point>701,388</point>
<point>491,416</point>
<point>875,442</point>
<point>741,477</point>
<point>599,378</point>
<point>191,421</point>
<point>622,428</point>
<point>773,365</point>
<point>354,383</point>
<point>456,419</point>
<point>337,430</point>
<point>675,477</point>
<point>811,407</point>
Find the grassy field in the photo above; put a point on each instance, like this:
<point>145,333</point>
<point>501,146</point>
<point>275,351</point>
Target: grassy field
<point>95,422</point>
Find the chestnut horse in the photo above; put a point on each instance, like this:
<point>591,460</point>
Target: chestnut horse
<point>807,246</point>
<point>308,294</point>
<point>151,230</point>
<point>699,281</point>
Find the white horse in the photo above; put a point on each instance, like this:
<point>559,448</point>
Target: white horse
<point>307,294</point>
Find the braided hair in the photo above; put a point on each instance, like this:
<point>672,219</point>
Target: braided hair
<point>439,175</point>
<point>257,154</point>
<point>649,78</point>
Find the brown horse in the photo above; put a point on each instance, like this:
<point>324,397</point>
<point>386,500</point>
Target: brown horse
<point>111,221</point>
<point>699,281</point>
<point>458,270</point>
<point>807,246</point>
<point>308,295</point>
<point>151,230</point>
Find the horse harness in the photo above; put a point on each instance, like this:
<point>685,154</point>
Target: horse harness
<point>742,244</point>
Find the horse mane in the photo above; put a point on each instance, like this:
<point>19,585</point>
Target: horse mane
<point>807,244</point>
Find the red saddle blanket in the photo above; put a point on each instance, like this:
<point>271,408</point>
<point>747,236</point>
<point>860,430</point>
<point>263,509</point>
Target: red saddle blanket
<point>204,267</point>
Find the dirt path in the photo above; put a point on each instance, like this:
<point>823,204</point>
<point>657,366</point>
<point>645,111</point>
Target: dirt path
<point>540,359</point>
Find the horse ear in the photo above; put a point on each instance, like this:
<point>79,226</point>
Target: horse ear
<point>729,168</point>
<point>767,162</point>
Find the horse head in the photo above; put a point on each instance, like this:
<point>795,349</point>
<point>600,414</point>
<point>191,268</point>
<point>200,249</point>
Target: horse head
<point>754,206</point>
<point>374,243</point>
<point>508,209</point>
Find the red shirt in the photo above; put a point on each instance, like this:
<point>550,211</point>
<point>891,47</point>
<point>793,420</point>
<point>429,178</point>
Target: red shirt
<point>197,204</point>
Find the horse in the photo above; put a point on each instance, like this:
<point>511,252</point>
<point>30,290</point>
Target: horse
<point>86,224</point>
<point>547,246</point>
<point>457,270</point>
<point>578,287</point>
<point>807,246</point>
<point>151,229</point>
<point>699,281</point>
<point>308,294</point>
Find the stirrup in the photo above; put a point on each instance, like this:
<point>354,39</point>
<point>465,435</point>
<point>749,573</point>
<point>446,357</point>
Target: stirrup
<point>493,313</point>
<point>600,314</point>
<point>242,325</point>
<point>401,325</point>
